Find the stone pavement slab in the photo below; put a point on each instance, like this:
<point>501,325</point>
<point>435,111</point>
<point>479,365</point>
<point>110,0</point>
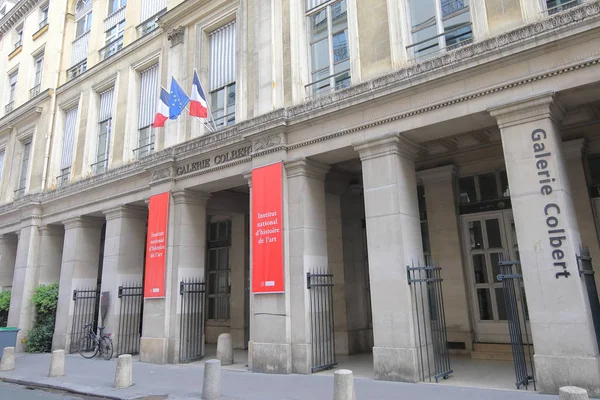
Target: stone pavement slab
<point>178,382</point>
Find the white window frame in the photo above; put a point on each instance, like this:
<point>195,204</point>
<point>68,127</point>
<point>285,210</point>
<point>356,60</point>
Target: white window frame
<point>441,33</point>
<point>87,24</point>
<point>113,40</point>
<point>101,165</point>
<point>25,167</point>
<point>227,90</point>
<point>561,6</point>
<point>12,89</point>
<point>2,161</point>
<point>38,61</point>
<point>44,10</point>
<point>111,6</point>
<point>18,42</point>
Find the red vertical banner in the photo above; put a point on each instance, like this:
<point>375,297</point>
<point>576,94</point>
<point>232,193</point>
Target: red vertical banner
<point>156,246</point>
<point>267,229</point>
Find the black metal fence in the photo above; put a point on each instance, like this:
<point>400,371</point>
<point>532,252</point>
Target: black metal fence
<point>85,311</point>
<point>191,346</point>
<point>586,272</point>
<point>516,310</point>
<point>432,336</point>
<point>320,286</point>
<point>130,319</point>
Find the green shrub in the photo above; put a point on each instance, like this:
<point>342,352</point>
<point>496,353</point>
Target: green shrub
<point>45,301</point>
<point>4,306</point>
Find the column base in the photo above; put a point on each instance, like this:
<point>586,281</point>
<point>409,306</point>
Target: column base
<point>553,372</point>
<point>271,358</point>
<point>154,350</point>
<point>396,364</point>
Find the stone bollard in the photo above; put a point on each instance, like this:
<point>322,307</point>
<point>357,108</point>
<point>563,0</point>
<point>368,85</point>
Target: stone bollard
<point>343,385</point>
<point>211,385</point>
<point>8,359</point>
<point>57,364</point>
<point>572,393</point>
<point>225,349</point>
<point>124,374</point>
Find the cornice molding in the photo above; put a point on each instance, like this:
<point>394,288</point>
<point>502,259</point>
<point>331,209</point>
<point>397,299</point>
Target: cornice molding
<point>14,15</point>
<point>25,111</point>
<point>384,145</point>
<point>127,211</point>
<point>191,197</point>
<point>307,168</point>
<point>83,222</point>
<point>541,106</point>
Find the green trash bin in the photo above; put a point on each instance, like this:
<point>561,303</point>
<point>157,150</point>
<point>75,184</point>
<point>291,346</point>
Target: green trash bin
<point>8,338</point>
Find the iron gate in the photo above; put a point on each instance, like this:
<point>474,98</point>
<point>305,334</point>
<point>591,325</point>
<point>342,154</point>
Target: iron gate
<point>191,344</point>
<point>85,311</point>
<point>586,272</point>
<point>130,319</point>
<point>320,286</point>
<point>516,311</point>
<point>426,287</point>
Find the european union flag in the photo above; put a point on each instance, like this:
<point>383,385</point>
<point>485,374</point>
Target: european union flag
<point>178,99</point>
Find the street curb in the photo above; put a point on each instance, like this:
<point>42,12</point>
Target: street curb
<point>56,387</point>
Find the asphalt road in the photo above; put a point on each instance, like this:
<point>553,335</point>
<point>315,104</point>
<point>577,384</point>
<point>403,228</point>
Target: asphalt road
<point>16,392</point>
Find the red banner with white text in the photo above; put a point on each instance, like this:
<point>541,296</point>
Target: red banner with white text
<point>156,246</point>
<point>267,229</point>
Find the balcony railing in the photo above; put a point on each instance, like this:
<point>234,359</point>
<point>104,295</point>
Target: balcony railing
<point>18,44</point>
<point>34,91</point>
<point>9,107</point>
<point>80,48</point>
<point>323,86</point>
<point>64,177</point>
<point>43,23</point>
<point>562,6</point>
<point>77,70</point>
<point>143,151</point>
<point>110,49</point>
<point>150,24</point>
<point>19,192</point>
<point>100,166</point>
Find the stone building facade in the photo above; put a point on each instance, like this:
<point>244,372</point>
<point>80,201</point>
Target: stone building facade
<point>462,131</point>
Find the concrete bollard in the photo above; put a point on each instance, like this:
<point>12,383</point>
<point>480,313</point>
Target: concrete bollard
<point>225,349</point>
<point>124,374</point>
<point>572,393</point>
<point>8,359</point>
<point>57,364</point>
<point>211,385</point>
<point>343,385</point>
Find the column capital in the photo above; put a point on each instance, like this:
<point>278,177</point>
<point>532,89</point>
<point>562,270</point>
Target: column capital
<point>305,167</point>
<point>573,149</point>
<point>83,222</point>
<point>52,230</point>
<point>388,144</point>
<point>175,35</point>
<point>192,197</point>
<point>438,174</point>
<point>127,211</point>
<point>248,177</point>
<point>541,106</point>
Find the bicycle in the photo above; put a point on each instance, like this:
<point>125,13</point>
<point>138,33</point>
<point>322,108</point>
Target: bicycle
<point>91,344</point>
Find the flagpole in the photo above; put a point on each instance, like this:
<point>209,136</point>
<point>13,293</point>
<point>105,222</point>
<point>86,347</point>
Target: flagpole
<point>200,119</point>
<point>207,104</point>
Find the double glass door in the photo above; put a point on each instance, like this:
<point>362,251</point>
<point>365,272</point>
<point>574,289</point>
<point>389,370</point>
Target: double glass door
<point>488,239</point>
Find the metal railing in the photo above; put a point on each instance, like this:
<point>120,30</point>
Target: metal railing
<point>191,329</point>
<point>43,23</point>
<point>18,44</point>
<point>79,51</point>
<point>427,295</point>
<point>85,310</point>
<point>9,107</point>
<point>77,70</point>
<point>320,286</point>
<point>34,91</point>
<point>64,177</point>
<point>516,312</point>
<point>143,151</point>
<point>150,24</point>
<point>562,7</point>
<point>326,89</point>
<point>19,192</point>
<point>586,272</point>
<point>130,319</point>
<point>100,166</point>
<point>112,48</point>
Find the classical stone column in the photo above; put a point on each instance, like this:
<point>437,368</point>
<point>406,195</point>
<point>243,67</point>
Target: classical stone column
<point>444,236</point>
<point>186,258</point>
<point>8,255</point>
<point>124,243</point>
<point>79,269</point>
<point>394,242</point>
<point>573,150</point>
<point>21,313</point>
<point>50,255</point>
<point>566,351</point>
<point>307,230</point>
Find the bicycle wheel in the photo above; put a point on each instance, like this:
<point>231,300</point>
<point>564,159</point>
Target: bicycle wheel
<point>106,348</point>
<point>87,347</point>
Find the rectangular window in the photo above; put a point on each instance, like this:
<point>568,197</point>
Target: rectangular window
<point>439,24</point>
<point>12,87</point>
<point>114,5</point>
<point>222,75</point>
<point>113,40</point>
<point>67,146</point>
<point>151,10</point>
<point>104,131</point>
<point>2,154</point>
<point>219,270</point>
<point>556,6</point>
<point>38,67</point>
<point>329,55</point>
<point>84,24</point>
<point>148,96</point>
<point>24,168</point>
<point>43,16</point>
<point>18,37</point>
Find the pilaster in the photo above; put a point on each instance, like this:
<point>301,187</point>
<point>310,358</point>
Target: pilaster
<point>50,255</point>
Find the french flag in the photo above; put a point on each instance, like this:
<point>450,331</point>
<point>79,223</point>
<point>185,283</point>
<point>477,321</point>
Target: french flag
<point>198,106</point>
<point>162,114</point>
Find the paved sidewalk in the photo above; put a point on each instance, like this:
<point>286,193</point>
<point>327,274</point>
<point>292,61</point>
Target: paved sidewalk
<point>95,377</point>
